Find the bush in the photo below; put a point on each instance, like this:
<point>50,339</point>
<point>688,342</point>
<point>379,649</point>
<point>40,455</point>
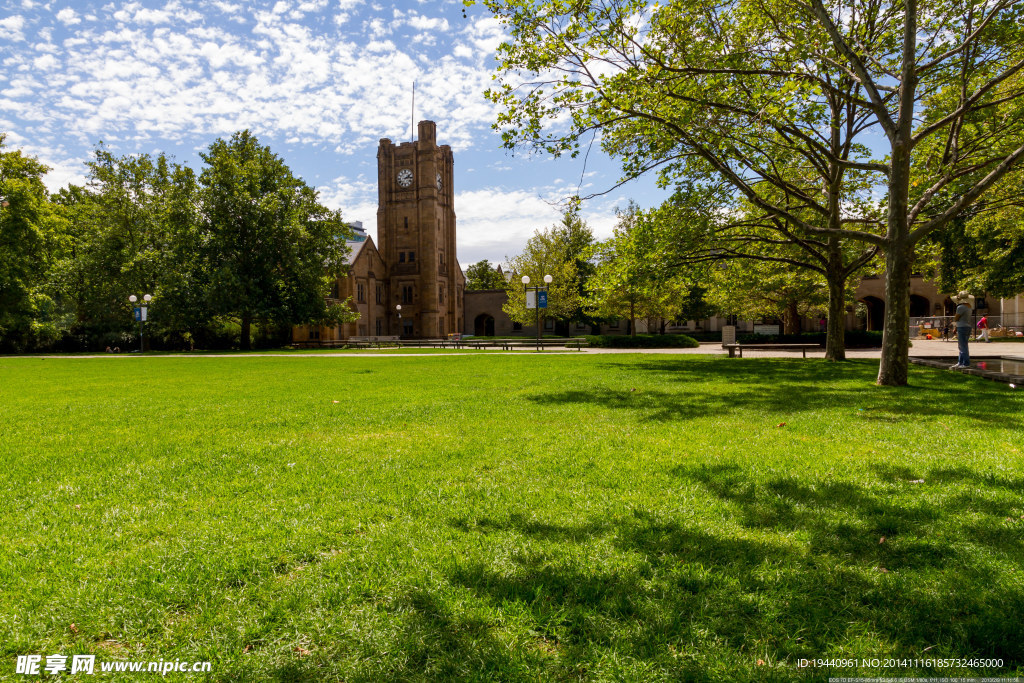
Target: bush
<point>642,341</point>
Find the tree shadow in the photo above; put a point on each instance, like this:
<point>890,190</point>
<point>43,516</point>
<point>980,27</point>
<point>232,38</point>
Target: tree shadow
<point>797,569</point>
<point>686,389</point>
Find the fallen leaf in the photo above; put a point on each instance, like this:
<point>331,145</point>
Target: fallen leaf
<point>335,401</point>
<point>881,540</point>
<point>883,570</point>
<point>760,662</point>
<point>74,629</point>
<point>78,507</point>
<point>917,481</point>
<point>302,651</point>
<point>246,648</point>
<point>781,424</point>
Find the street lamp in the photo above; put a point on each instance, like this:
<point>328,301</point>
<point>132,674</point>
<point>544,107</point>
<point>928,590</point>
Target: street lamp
<point>398,311</point>
<point>140,313</point>
<point>537,299</point>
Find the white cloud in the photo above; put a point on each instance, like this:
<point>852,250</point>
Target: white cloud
<point>11,27</point>
<point>68,17</point>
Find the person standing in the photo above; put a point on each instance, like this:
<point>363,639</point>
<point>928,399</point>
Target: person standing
<point>983,329</point>
<point>962,320</point>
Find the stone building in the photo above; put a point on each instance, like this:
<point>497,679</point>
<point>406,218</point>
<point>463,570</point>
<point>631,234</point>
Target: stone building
<point>415,266</point>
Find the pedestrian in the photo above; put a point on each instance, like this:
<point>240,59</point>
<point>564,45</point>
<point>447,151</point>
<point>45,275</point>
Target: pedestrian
<point>983,326</point>
<point>962,319</point>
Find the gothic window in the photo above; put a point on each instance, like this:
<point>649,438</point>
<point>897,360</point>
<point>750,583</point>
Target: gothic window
<point>334,290</point>
<point>380,294</point>
<point>406,222</point>
<point>380,327</point>
<point>360,292</point>
<point>412,256</point>
<point>406,294</point>
<point>401,257</point>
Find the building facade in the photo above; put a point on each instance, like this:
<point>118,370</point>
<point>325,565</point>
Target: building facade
<point>410,284</point>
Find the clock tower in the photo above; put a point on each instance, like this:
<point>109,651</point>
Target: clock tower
<point>416,231</point>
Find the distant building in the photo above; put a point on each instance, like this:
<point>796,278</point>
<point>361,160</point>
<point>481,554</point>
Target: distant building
<point>415,266</point>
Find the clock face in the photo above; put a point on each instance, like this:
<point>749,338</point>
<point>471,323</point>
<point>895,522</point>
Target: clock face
<point>405,177</point>
<point>439,182</point>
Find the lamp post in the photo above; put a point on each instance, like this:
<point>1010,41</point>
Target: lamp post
<point>536,299</point>
<point>398,311</point>
<point>140,314</point>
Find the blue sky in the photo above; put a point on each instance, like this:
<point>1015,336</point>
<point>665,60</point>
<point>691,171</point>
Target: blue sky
<point>320,81</point>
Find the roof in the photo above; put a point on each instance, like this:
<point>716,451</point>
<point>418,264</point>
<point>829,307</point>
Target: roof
<point>355,248</point>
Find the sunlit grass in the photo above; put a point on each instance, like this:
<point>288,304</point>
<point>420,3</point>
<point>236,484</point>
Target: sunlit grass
<point>509,517</point>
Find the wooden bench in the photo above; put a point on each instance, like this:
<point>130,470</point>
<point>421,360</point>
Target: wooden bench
<point>367,342</point>
<point>733,349</point>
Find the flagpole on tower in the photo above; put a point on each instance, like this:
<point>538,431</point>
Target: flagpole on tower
<point>412,115</point>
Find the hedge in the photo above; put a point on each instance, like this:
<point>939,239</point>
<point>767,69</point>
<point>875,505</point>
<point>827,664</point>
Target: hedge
<point>642,341</point>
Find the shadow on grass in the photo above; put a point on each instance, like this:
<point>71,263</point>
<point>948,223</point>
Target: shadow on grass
<point>680,389</point>
<point>798,569</point>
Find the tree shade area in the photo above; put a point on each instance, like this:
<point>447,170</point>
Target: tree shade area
<point>854,123</point>
<point>637,517</point>
<point>244,241</point>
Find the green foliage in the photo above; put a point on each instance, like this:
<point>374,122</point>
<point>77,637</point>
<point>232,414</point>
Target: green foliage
<point>31,240</point>
<point>753,289</point>
<point>633,280</point>
<point>554,251</point>
<point>482,275</point>
<point>642,341</point>
<point>272,248</point>
<point>777,103</point>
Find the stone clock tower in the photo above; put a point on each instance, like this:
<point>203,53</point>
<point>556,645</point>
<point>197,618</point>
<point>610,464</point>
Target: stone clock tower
<point>416,231</point>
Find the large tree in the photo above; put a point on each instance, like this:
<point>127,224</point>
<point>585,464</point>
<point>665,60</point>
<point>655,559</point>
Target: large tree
<point>273,248</point>
<point>633,279</point>
<point>545,253</point>
<point>30,240</point>
<point>482,275</point>
<point>750,92</point>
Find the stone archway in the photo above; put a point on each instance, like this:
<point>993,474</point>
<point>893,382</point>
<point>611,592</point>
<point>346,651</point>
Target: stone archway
<point>875,320</point>
<point>920,307</point>
<point>483,326</point>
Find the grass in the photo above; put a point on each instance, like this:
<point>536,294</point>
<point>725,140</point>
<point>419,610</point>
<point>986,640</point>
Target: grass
<point>618,517</point>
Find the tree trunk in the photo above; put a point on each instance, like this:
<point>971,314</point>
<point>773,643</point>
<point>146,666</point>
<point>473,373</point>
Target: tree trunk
<point>791,318</point>
<point>892,370</point>
<point>632,319</point>
<point>245,343</point>
<point>835,343</point>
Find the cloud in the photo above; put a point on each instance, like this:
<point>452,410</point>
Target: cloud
<point>68,17</point>
<point>12,28</point>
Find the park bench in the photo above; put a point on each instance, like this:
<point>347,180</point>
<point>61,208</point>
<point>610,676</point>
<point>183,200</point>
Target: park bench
<point>367,342</point>
<point>735,349</point>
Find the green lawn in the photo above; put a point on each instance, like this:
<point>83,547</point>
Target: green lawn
<point>615,517</point>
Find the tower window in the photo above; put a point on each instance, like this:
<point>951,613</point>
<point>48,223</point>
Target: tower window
<point>380,294</point>
<point>401,257</point>
<point>412,256</point>
<point>406,219</point>
<point>360,292</point>
<point>406,294</point>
